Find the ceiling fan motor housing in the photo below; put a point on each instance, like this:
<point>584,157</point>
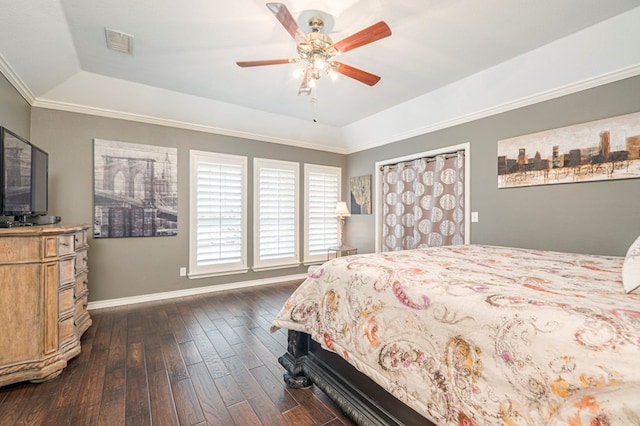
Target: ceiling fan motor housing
<point>317,52</point>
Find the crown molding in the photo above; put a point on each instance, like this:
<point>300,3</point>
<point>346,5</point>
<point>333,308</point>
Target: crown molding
<point>16,81</point>
<point>558,92</point>
<point>590,83</point>
<point>140,118</point>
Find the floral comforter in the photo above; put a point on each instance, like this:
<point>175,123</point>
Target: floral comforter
<point>483,335</point>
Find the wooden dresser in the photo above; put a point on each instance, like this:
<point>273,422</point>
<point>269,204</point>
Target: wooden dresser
<point>43,299</point>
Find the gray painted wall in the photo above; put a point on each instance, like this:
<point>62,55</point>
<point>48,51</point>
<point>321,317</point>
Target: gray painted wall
<point>591,217</point>
<point>122,267</point>
<point>596,217</point>
<point>15,111</point>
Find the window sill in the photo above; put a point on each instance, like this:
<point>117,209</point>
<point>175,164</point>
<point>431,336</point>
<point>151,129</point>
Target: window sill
<point>274,267</point>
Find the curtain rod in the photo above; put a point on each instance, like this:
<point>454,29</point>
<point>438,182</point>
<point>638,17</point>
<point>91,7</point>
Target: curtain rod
<point>427,159</point>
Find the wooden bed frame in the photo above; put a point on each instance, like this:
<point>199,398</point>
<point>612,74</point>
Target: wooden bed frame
<point>363,400</point>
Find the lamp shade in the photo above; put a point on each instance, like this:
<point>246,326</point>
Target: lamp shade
<point>341,209</point>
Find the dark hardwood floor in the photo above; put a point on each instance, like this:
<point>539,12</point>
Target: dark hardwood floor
<point>200,360</point>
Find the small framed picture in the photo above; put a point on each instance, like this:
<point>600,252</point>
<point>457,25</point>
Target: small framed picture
<point>360,194</point>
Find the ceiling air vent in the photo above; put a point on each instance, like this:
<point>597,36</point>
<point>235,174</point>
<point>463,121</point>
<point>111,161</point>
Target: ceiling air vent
<point>120,42</point>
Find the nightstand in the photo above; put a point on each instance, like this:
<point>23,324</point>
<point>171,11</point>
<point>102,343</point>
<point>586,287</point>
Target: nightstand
<point>333,252</point>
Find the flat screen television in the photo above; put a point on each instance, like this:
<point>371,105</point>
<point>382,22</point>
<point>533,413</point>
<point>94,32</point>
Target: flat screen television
<point>39,181</point>
<point>24,174</point>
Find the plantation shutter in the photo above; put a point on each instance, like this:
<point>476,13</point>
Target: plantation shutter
<point>277,213</point>
<point>322,195</point>
<point>220,193</point>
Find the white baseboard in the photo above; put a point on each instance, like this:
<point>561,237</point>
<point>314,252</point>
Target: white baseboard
<point>190,292</point>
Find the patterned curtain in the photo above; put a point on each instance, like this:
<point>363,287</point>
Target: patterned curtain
<point>423,202</point>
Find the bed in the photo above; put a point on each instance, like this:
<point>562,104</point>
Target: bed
<point>468,335</point>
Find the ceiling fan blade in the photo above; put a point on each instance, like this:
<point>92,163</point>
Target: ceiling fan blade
<point>357,74</point>
<point>368,35</point>
<point>283,15</point>
<point>264,62</point>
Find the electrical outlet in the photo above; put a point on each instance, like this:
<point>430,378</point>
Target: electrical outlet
<point>474,216</point>
<point>183,271</point>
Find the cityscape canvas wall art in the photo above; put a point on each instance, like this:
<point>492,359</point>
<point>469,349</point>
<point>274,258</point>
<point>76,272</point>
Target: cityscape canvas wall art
<point>135,190</point>
<point>599,150</point>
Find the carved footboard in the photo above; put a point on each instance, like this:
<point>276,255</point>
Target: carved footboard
<point>358,396</point>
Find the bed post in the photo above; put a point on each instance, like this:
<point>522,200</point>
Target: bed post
<point>360,398</point>
<point>293,360</point>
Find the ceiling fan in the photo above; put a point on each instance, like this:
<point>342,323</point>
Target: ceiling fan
<point>316,50</point>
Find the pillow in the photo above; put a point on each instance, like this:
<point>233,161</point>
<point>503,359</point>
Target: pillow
<point>631,268</point>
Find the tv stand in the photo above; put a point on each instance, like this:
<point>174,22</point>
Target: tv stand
<point>23,218</point>
<point>43,308</point>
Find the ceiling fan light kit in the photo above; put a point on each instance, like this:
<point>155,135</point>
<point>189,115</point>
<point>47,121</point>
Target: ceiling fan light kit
<point>316,50</point>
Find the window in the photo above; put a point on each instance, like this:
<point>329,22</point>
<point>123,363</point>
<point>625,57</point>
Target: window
<point>276,214</point>
<point>322,192</point>
<point>218,214</point>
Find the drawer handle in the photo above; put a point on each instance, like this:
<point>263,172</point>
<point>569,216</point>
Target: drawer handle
<point>85,259</point>
<point>66,244</point>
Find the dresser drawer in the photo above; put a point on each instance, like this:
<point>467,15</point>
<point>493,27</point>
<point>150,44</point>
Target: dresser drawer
<point>80,238</point>
<point>81,284</point>
<point>67,329</point>
<point>81,260</point>
<point>66,300</point>
<point>67,270</point>
<point>80,306</point>
<point>66,244</point>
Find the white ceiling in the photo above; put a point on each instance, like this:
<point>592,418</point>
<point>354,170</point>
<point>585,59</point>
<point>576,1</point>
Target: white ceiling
<point>447,60</point>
